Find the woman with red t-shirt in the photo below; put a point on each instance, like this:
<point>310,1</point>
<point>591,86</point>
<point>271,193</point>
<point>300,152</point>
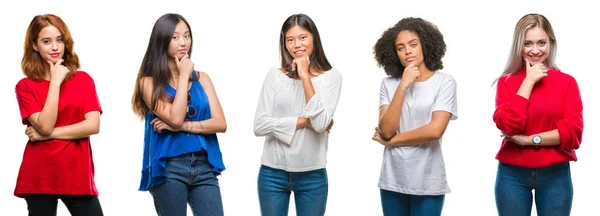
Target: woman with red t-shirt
<point>60,107</point>
<point>539,112</point>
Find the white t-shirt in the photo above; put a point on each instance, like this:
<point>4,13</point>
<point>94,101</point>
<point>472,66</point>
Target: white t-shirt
<point>418,169</point>
<point>282,101</point>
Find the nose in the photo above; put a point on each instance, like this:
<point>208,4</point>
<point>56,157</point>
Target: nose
<point>182,42</point>
<point>407,50</point>
<point>54,45</point>
<point>297,43</point>
<point>535,49</point>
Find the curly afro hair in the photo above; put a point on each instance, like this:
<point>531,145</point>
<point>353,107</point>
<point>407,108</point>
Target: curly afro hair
<point>432,40</point>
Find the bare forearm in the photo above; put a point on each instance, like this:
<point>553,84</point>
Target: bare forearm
<point>47,117</point>
<point>179,106</point>
<point>389,122</point>
<point>309,90</point>
<point>79,130</point>
<point>415,137</point>
<point>208,126</point>
<point>525,89</point>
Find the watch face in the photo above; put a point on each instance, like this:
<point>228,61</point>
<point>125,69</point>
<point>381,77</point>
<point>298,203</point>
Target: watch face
<point>537,139</point>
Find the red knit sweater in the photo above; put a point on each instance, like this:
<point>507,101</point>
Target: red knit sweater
<point>554,103</point>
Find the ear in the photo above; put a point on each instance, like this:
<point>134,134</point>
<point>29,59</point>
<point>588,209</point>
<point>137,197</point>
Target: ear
<point>35,47</point>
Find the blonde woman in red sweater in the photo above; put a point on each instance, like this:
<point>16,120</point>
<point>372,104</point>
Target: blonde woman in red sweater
<point>539,112</point>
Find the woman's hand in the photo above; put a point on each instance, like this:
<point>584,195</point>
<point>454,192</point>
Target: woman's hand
<point>377,137</point>
<point>34,135</point>
<point>160,125</point>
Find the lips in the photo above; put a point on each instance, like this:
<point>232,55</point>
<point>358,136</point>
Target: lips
<point>182,51</point>
<point>409,59</point>
<point>54,55</point>
<point>299,52</point>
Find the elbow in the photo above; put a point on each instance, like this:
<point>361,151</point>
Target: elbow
<point>95,130</point>
<point>386,134</point>
<point>437,134</point>
<point>178,124</point>
<point>223,126</point>
<point>46,131</point>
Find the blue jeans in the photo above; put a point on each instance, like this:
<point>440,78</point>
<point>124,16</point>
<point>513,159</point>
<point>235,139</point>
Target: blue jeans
<point>310,191</point>
<point>190,179</point>
<point>399,204</point>
<point>553,190</point>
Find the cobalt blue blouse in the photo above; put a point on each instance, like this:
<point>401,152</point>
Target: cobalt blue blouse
<point>158,147</point>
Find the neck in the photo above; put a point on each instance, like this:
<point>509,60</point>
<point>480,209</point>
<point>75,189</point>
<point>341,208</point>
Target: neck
<point>425,73</point>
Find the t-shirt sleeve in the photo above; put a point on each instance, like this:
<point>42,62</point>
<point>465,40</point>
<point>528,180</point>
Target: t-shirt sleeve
<point>446,99</point>
<point>28,103</point>
<point>384,98</point>
<point>90,99</point>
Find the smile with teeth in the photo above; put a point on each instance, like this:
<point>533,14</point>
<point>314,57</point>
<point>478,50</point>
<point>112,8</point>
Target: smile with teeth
<point>299,52</point>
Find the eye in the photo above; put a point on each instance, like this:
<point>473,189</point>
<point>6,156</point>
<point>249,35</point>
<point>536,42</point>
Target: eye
<point>527,44</point>
<point>289,40</point>
<point>413,45</point>
<point>59,40</point>
<point>303,37</point>
<point>400,48</point>
<point>46,41</point>
<point>187,36</point>
<point>542,43</point>
<point>175,38</point>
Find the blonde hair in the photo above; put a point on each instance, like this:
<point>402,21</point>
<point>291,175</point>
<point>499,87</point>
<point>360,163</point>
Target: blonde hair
<point>529,21</point>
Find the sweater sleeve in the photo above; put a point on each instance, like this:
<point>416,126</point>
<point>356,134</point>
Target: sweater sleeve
<point>570,128</point>
<point>264,123</point>
<point>320,108</point>
<point>510,114</point>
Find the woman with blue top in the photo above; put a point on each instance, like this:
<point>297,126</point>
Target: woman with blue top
<point>182,113</point>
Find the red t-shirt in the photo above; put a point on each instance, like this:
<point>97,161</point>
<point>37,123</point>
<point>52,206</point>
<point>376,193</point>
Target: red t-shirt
<point>554,103</point>
<point>58,166</point>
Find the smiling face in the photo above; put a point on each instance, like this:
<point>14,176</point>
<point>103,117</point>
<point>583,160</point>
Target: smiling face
<point>181,41</point>
<point>536,45</point>
<point>299,42</point>
<point>409,49</point>
<point>49,44</point>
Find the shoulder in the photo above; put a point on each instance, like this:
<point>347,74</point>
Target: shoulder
<point>445,77</point>
<point>82,76</point>
<point>204,78</point>
<point>334,74</point>
<point>146,82</point>
<point>275,75</point>
<point>387,81</point>
<point>24,84</point>
<point>561,76</point>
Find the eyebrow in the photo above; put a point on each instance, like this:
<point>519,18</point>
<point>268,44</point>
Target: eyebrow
<point>59,36</point>
<point>398,44</point>
<point>175,32</point>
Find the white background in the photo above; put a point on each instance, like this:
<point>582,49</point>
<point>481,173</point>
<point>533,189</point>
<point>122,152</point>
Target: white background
<point>236,42</point>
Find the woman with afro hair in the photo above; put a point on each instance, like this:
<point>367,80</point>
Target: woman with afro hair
<point>416,103</point>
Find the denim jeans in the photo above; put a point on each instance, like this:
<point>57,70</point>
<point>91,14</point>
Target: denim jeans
<point>46,204</point>
<point>190,180</point>
<point>399,204</point>
<point>310,191</point>
<point>553,190</point>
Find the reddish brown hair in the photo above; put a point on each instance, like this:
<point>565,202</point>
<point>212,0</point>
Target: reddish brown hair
<point>32,64</point>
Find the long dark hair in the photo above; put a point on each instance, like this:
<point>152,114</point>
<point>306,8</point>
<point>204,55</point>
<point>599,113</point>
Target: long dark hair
<point>155,63</point>
<point>317,58</point>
